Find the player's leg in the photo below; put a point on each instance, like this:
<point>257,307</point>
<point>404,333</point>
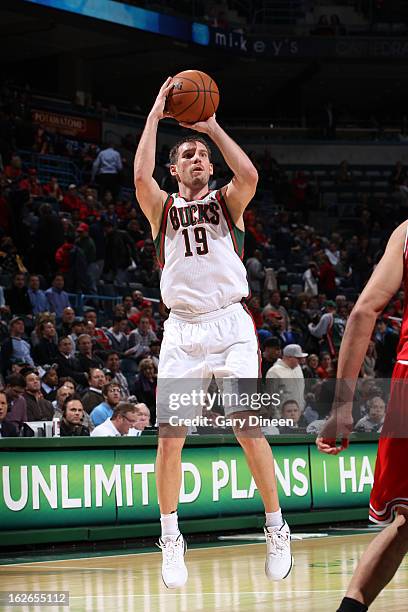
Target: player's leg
<point>260,461</point>
<point>168,482</point>
<point>378,565</point>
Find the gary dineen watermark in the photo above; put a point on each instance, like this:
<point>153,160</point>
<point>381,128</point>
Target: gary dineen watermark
<point>232,402</point>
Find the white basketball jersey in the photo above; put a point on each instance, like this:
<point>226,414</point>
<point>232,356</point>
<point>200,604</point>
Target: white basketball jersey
<point>200,250</point>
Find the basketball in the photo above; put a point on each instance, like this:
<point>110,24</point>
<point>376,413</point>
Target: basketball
<point>194,97</point>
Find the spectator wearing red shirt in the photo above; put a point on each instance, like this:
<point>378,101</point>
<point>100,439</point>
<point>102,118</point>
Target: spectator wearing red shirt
<point>32,184</point>
<point>327,278</point>
<point>146,311</point>
<point>53,190</point>
<point>325,369</point>
<point>71,200</point>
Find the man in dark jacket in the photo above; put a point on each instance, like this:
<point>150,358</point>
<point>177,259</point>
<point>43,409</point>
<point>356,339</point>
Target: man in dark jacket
<point>17,298</point>
<point>119,252</point>
<point>386,342</point>
<point>72,415</point>
<point>7,429</point>
<point>68,365</point>
<point>38,408</point>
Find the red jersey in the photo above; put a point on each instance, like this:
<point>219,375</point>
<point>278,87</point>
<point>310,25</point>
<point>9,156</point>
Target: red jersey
<point>402,350</point>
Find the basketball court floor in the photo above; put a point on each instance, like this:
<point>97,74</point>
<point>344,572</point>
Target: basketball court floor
<point>223,576</point>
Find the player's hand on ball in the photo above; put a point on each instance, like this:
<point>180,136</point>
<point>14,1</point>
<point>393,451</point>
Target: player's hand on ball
<point>158,109</point>
<point>338,425</point>
<point>201,126</point>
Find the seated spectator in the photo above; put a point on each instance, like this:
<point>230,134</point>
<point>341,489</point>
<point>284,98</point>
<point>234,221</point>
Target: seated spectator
<point>49,381</point>
<point>368,367</point>
<point>77,329</point>
<point>117,336</point>
<point>85,355</point>
<point>288,375</point>
<point>57,298</point>
<point>15,348</point>
<point>374,420</point>
<point>145,385</point>
<point>112,363</point>
<point>46,351</point>
<point>67,320</point>
<point>291,412</point>
<point>274,305</point>
<point>17,407</point>
<point>36,295</point>
<point>254,307</point>
<point>123,422</point>
<point>72,414</point>
<point>146,311</point>
<point>68,365</point>
<point>32,184</point>
<point>256,272</point>
<point>155,353</point>
<point>386,342</point>
<point>140,340</point>
<point>7,428</point>
<point>64,391</point>
<point>17,298</point>
<point>270,354</point>
<point>111,394</point>
<point>38,408</point>
<point>14,170</point>
<point>53,190</point>
<point>325,369</point>
<point>94,395</point>
<point>103,340</point>
<point>311,279</point>
<point>310,368</point>
<point>143,419</point>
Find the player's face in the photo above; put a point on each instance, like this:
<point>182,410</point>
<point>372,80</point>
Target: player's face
<point>193,167</point>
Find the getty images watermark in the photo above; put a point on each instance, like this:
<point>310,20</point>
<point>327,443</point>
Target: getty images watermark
<point>235,402</point>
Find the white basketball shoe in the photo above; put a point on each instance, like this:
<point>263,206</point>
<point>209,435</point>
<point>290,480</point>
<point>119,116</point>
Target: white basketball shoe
<point>279,560</point>
<point>174,570</point>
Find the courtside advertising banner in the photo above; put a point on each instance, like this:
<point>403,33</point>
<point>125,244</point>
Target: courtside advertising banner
<point>94,487</point>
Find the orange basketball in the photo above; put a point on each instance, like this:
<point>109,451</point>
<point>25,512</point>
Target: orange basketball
<point>194,97</point>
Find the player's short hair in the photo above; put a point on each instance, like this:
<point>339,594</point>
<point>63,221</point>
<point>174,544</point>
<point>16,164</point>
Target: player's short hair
<point>173,155</point>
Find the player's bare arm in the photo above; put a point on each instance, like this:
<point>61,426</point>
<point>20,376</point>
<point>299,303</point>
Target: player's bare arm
<point>241,189</point>
<point>383,284</point>
<point>148,193</point>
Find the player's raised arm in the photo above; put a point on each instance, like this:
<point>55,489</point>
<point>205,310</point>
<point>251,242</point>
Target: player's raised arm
<point>383,284</point>
<point>241,189</point>
<point>148,192</point>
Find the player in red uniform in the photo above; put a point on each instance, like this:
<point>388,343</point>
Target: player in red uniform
<point>389,496</point>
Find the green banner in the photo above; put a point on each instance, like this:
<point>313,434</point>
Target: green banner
<point>56,488</point>
<point>343,480</point>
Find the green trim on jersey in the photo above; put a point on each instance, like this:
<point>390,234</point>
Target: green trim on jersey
<point>159,240</point>
<point>237,234</point>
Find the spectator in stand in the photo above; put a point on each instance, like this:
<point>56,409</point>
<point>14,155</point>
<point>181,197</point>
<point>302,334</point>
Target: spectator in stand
<point>325,369</point>
<point>85,355</point>
<point>49,381</point>
<point>67,320</point>
<point>327,278</point>
<point>106,170</point>
<point>73,266</point>
<point>77,329</point>
<point>311,366</point>
<point>254,307</point>
<point>14,170</point>
<point>53,190</point>
<point>15,349</point>
<point>292,413</point>
<point>7,428</point>
<point>113,364</point>
<point>72,200</point>
<point>122,423</point>
<point>140,340</point>
<point>374,420</point>
<point>274,305</point>
<point>49,236</point>
<point>271,353</point>
<point>17,407</point>
<point>288,376</point>
<point>38,408</point>
<point>311,280</point>
<point>256,272</point>
<point>103,340</point>
<point>143,419</point>
<point>87,245</point>
<point>67,364</point>
<point>146,311</point>
<point>322,328</point>
<point>57,298</point>
<point>333,254</point>
<point>117,336</point>
<point>72,416</point>
<point>145,385</point>
<point>46,351</point>
<point>119,253</point>
<point>368,367</point>
<point>111,396</point>
<point>32,184</point>
<point>155,353</point>
<point>36,295</point>
<point>94,395</point>
<point>17,297</point>
<point>386,342</point>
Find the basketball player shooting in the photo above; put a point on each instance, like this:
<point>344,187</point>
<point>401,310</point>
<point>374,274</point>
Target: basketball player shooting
<point>199,237</point>
<point>389,496</point>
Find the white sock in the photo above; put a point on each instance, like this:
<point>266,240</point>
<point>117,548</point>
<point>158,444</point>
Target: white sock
<point>169,524</point>
<point>274,519</point>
